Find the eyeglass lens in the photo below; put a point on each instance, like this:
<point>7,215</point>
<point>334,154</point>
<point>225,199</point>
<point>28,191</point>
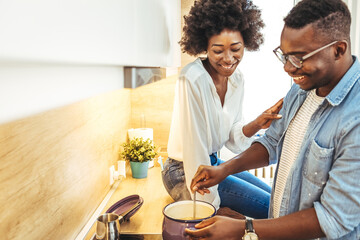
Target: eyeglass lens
<point>284,58</point>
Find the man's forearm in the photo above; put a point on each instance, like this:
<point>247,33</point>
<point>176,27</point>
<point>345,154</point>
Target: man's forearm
<point>300,225</point>
<point>254,157</point>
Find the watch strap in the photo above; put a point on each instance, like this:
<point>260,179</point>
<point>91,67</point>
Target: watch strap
<point>249,225</point>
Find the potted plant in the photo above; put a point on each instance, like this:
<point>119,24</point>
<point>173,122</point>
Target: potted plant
<point>139,152</point>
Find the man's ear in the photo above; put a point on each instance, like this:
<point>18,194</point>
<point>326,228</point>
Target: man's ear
<point>340,49</point>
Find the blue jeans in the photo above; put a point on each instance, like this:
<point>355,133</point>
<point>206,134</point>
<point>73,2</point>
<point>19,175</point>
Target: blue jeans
<point>173,177</point>
<point>242,192</point>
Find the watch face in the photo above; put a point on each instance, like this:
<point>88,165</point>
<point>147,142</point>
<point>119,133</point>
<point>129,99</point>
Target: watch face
<point>251,236</point>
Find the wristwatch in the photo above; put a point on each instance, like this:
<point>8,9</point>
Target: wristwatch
<point>249,231</point>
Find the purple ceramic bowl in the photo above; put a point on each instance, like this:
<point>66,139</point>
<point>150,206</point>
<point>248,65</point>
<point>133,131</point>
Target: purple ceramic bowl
<point>179,215</point>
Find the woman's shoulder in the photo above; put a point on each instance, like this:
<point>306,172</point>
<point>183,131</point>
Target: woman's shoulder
<point>193,71</point>
<point>238,74</point>
<point>237,78</point>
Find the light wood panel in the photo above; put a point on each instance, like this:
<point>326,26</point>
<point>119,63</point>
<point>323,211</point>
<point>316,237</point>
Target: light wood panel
<point>54,166</point>
<point>155,102</point>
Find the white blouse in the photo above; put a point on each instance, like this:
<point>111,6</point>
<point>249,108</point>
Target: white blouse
<point>201,126</point>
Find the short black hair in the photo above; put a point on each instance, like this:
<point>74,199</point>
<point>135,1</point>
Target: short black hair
<point>209,17</point>
<point>330,18</point>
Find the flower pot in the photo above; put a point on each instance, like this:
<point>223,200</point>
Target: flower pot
<point>139,169</point>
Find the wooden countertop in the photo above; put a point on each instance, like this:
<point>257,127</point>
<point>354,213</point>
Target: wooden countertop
<point>148,219</point>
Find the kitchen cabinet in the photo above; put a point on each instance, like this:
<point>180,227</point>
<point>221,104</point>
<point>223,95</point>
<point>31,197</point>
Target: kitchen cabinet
<point>115,32</point>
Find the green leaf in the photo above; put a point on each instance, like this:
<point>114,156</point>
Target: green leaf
<point>138,150</point>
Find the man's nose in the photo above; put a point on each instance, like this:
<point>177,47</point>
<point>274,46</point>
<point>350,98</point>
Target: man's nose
<point>289,67</point>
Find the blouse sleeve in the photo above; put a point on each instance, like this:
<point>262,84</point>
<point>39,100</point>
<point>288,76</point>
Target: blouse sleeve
<point>238,142</point>
<point>194,131</point>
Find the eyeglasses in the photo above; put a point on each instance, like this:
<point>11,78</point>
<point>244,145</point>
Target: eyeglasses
<point>296,61</point>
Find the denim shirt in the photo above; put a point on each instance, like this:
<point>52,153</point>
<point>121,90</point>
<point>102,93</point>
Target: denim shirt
<point>326,173</point>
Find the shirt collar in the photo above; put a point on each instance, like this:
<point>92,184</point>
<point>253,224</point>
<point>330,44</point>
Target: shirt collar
<point>337,95</point>
<point>232,81</point>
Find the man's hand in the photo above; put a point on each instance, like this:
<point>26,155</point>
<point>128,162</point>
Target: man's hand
<point>218,227</point>
<point>205,177</point>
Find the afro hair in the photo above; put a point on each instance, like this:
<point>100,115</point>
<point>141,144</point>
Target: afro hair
<point>209,17</point>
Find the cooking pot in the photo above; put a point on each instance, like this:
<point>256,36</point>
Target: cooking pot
<point>179,215</point>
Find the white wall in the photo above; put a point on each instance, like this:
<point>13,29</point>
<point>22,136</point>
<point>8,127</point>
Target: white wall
<point>115,32</point>
<point>265,80</point>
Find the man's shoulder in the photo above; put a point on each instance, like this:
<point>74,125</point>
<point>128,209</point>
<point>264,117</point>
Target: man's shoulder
<point>352,100</point>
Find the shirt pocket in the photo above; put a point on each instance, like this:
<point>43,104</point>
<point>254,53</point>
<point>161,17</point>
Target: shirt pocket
<point>318,164</point>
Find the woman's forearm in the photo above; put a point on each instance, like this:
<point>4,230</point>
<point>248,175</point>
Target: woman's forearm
<point>250,129</point>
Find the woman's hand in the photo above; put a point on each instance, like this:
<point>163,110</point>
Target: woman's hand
<point>264,120</point>
<point>218,227</point>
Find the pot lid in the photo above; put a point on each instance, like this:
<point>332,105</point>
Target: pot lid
<point>122,206</point>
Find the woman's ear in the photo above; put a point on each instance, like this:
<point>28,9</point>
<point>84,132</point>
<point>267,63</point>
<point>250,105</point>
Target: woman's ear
<point>340,49</point>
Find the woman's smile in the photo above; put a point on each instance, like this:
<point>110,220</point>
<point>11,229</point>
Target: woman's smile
<point>229,66</point>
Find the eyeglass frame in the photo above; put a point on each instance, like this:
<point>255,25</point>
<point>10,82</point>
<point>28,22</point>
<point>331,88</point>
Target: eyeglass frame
<point>301,59</point>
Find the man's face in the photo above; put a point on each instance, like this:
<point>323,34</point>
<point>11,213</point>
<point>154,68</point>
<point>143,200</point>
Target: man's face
<point>319,70</point>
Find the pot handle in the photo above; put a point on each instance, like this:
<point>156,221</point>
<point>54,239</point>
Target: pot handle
<point>123,215</point>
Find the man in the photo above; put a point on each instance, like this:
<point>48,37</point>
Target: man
<point>316,144</point>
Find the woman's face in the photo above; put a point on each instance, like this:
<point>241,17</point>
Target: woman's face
<point>225,52</point>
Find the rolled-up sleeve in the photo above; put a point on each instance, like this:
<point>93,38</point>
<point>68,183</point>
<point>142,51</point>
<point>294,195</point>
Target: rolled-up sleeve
<point>238,142</point>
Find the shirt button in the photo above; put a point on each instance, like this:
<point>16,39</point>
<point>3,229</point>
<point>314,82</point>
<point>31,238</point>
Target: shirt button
<point>315,173</point>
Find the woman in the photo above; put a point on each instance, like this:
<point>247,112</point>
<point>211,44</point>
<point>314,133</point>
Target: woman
<point>208,105</point>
